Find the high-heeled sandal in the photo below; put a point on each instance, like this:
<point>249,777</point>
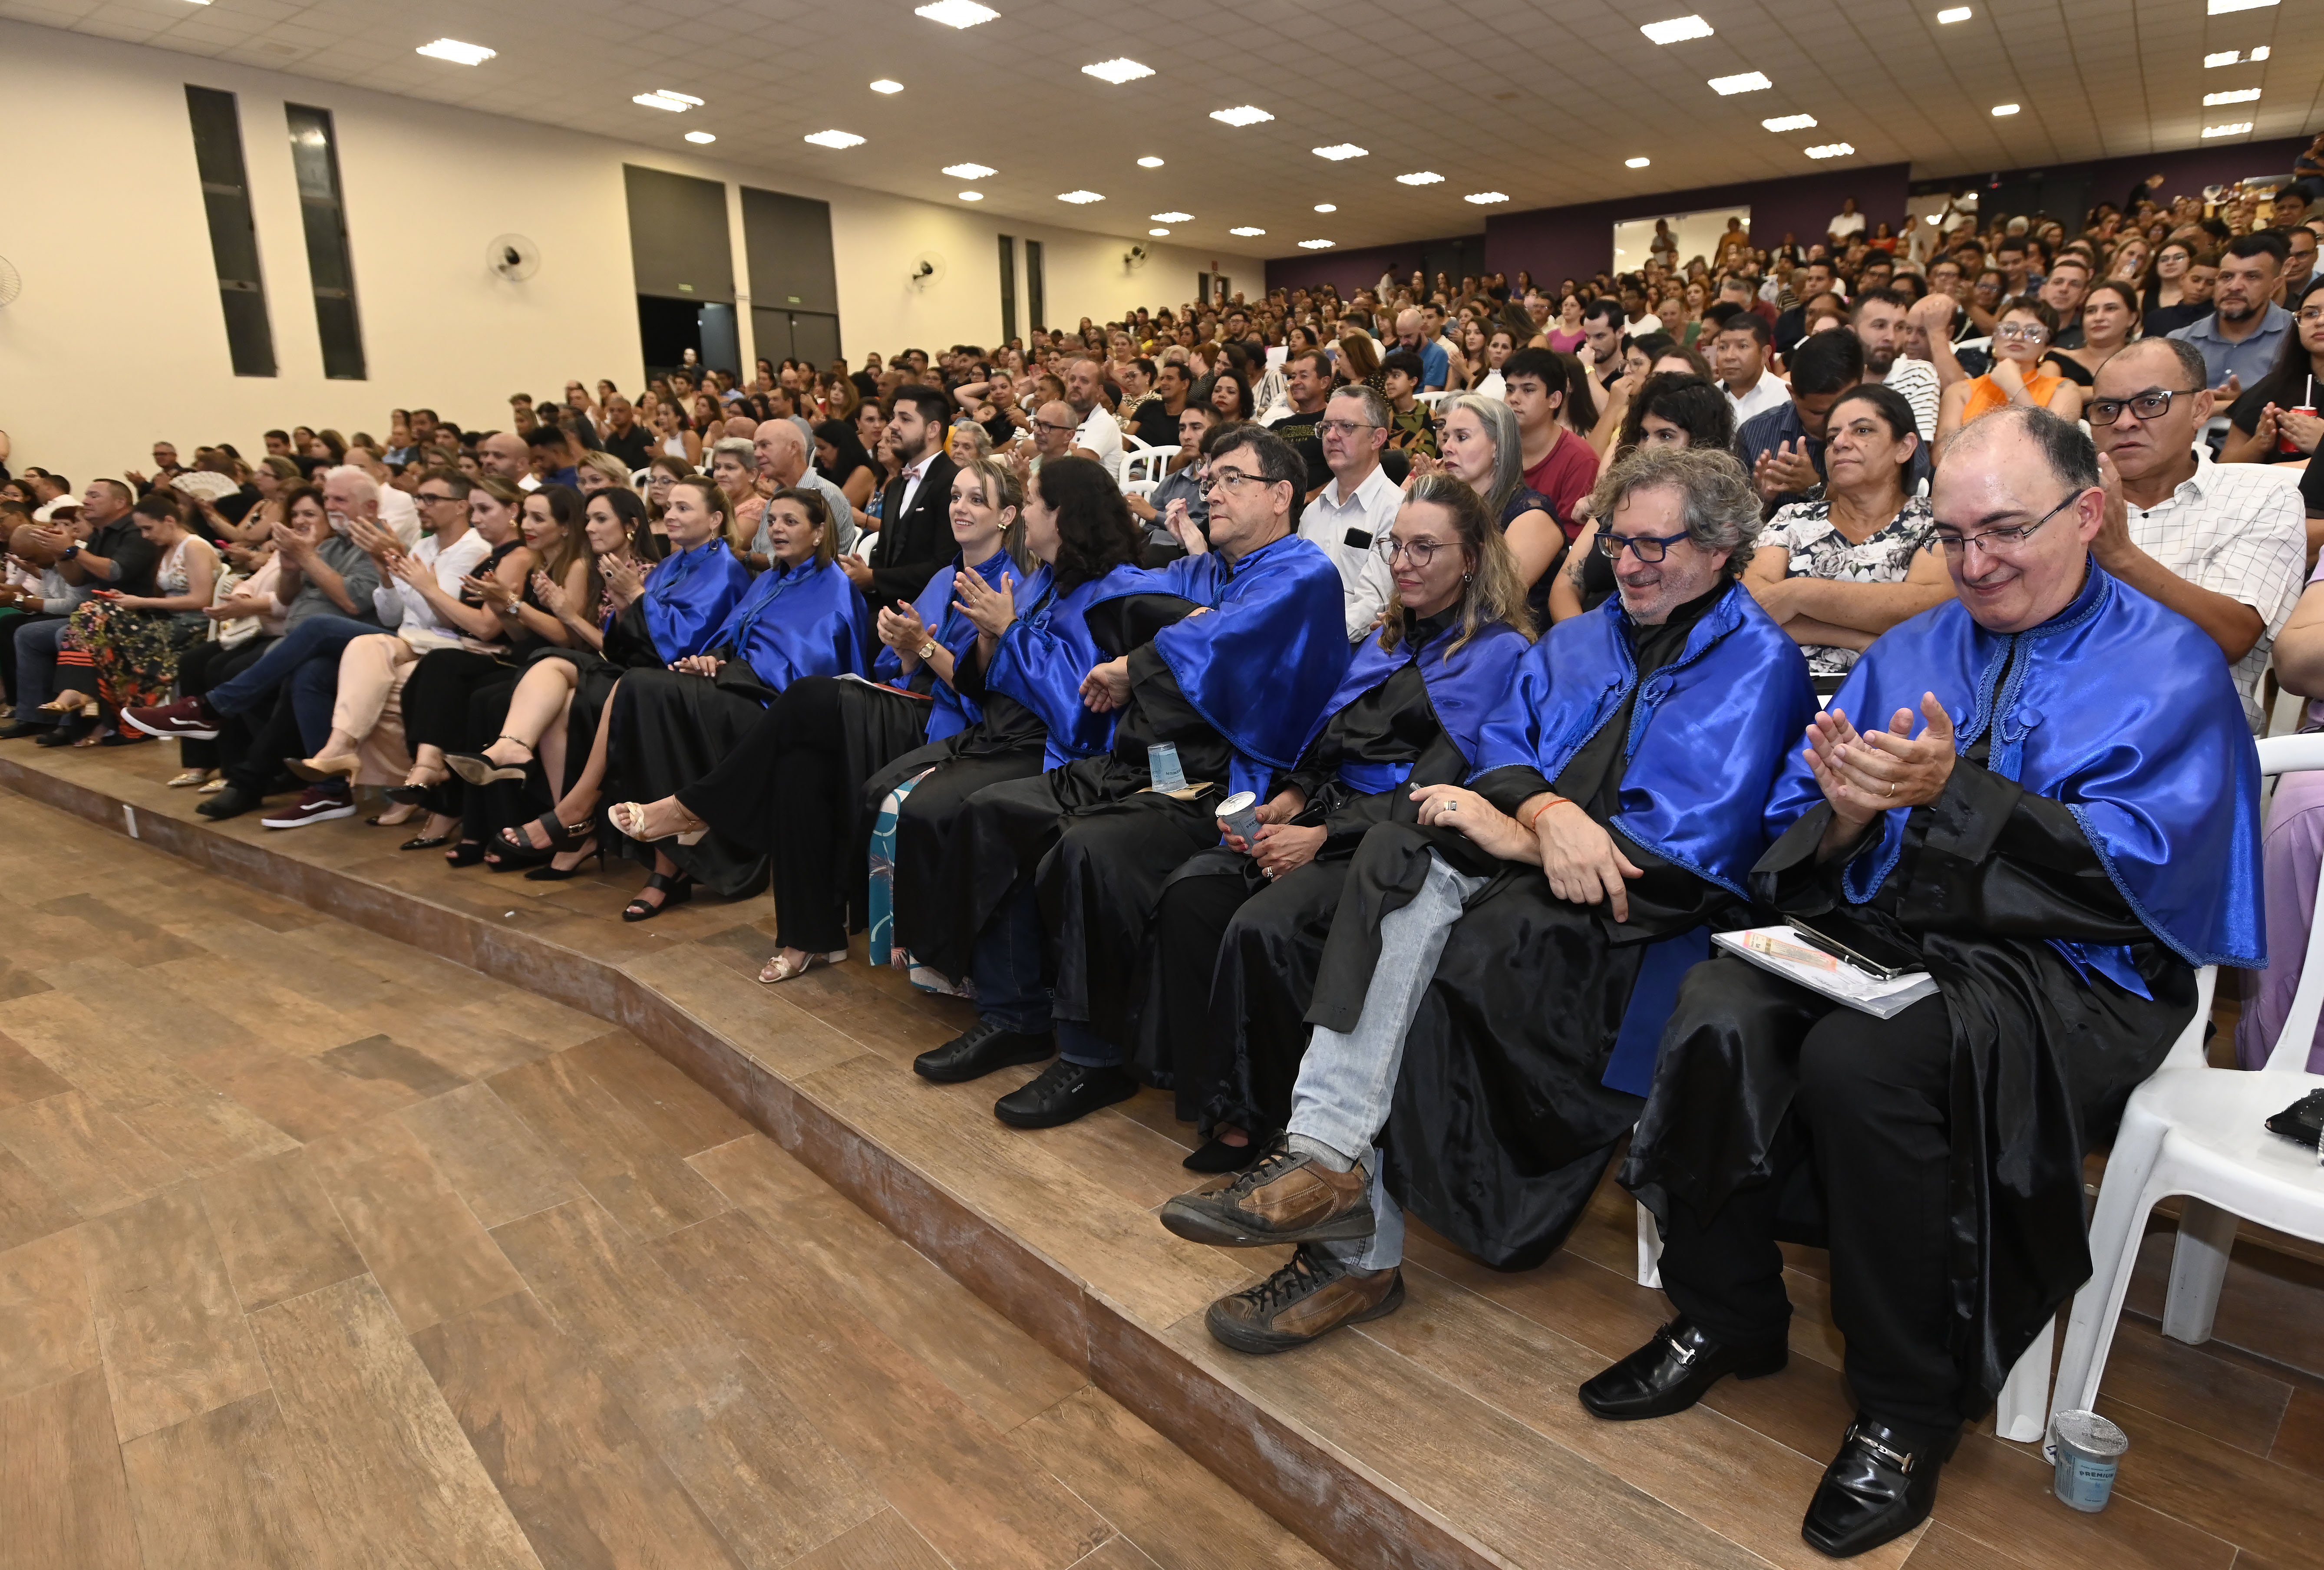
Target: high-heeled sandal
<point>321,771</point>
<point>675,888</point>
<point>71,701</point>
<point>466,853</point>
<point>779,969</point>
<point>549,872</point>
<point>562,836</point>
<point>427,842</point>
<point>477,768</point>
<point>630,818</point>
<point>411,793</point>
<point>179,782</point>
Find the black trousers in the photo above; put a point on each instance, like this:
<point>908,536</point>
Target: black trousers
<point>1863,1159</point>
<point>931,857</point>
<point>201,668</point>
<point>10,626</point>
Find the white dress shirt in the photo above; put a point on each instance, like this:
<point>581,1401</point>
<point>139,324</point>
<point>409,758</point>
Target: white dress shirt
<point>399,515</point>
<point>1768,393</point>
<point>1337,524</point>
<point>912,477</point>
<point>401,607</point>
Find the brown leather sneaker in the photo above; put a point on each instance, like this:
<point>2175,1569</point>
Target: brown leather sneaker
<point>1287,1198</point>
<point>1311,1296</point>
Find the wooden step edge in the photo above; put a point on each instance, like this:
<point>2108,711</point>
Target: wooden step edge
<point>1344,1509</point>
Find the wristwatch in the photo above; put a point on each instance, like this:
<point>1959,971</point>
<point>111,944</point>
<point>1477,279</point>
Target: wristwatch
<point>67,553</point>
<point>926,651</point>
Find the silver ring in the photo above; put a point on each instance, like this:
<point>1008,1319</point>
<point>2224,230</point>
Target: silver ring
<point>1892,788</point>
<point>1451,808</point>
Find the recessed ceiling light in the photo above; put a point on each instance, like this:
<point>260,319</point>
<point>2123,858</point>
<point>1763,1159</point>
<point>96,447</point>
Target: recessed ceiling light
<point>1117,71</point>
<point>458,53</point>
<point>1420,177</point>
<point>656,101</point>
<point>1954,14</point>
<point>1637,162</point>
<point>2240,96</point>
<point>1314,244</point>
<point>1172,218</point>
<point>1149,161</point>
<point>1246,233</point>
<point>1340,151</point>
<point>700,138</point>
<point>1790,123</point>
<point>885,86</point>
<point>2237,129</point>
<point>2001,111</point>
<point>1830,150</point>
<point>681,98</point>
<point>1740,82</point>
<point>1246,115</point>
<point>834,139</point>
<point>1485,198</point>
<point>968,171</point>
<point>971,196</point>
<point>1677,30</point>
<point>1079,197</point>
<point>956,12</point>
<point>2235,57</point>
<point>2221,7</point>
<point>1327,207</point>
<point>1157,233</point>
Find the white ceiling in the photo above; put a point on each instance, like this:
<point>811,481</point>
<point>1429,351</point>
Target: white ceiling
<point>1543,100</point>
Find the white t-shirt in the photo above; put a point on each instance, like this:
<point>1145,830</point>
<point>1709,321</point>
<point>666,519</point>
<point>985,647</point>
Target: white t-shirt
<point>1100,436</point>
<point>1765,394</point>
<point>399,605</point>
<point>399,515</point>
<point>1843,225</point>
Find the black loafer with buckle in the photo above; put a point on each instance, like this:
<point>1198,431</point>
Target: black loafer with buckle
<point>1881,1485</point>
<point>1671,1372</point>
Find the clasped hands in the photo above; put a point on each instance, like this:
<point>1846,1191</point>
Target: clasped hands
<point>1863,774</point>
<point>1572,849</point>
<point>1281,847</point>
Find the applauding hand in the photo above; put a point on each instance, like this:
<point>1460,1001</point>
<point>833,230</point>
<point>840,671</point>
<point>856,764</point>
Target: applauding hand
<point>1865,773</point>
<point>989,608</point>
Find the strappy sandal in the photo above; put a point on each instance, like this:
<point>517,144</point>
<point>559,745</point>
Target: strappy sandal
<point>179,782</point>
<point>412,793</point>
<point>676,889</point>
<point>779,969</point>
<point>465,853</point>
<point>630,819</point>
<point>549,872</point>
<point>479,769</point>
<point>562,836</point>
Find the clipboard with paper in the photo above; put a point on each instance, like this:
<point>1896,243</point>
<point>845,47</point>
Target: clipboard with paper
<point>1778,949</point>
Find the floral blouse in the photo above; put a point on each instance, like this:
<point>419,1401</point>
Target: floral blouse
<point>1817,550</point>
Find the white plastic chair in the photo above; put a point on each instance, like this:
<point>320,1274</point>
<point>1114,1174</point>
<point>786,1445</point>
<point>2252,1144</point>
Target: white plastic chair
<point>2195,1131</point>
<point>1140,462</point>
<point>1145,488</point>
<point>1430,399</point>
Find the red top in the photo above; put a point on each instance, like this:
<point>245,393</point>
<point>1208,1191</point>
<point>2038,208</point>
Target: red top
<point>1567,475</point>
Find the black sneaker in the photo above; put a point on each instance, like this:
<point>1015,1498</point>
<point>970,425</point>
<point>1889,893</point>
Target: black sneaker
<point>316,803</point>
<point>1060,1093</point>
<point>978,1050</point>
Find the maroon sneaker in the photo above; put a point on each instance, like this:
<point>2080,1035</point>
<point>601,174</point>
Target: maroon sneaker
<point>317,804</point>
<point>188,717</point>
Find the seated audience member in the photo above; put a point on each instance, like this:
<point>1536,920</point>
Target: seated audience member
<point>2020,339</point>
<point>915,535</point>
<point>2241,338</point>
<point>2176,295</point>
<point>1739,355</point>
<point>1879,319</point>
<point>1306,386</point>
<point>1071,863</point>
<point>1837,573</point>
<point>2269,425</point>
<point>1226,391</point>
<point>2295,849</point>
<point>1670,411</point>
<point>1412,429</point>
<point>1222,1004</point>
<point>1097,435</point>
<point>1182,486</point>
<point>840,459</point>
<point>2059,857</point>
<point>790,789</point>
<point>665,729</point>
<point>1600,843</point>
<point>1482,447</point>
<point>1346,519</point>
<point>1784,448</point>
<point>128,646</point>
<point>246,622</point>
<point>783,456</point>
<point>2222,544</point>
<point>1557,463</point>
<point>734,464</point>
<point>555,713</point>
<point>2109,320</point>
<point>104,548</point>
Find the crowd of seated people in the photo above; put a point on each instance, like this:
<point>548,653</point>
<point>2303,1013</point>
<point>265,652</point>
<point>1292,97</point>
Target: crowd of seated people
<point>1464,644</point>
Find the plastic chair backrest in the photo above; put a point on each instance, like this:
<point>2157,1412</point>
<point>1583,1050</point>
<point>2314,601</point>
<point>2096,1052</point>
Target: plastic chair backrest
<point>2293,755</point>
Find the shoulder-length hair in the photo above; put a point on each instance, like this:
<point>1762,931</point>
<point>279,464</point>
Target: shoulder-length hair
<point>1493,591</point>
<point>818,512</point>
<point>1095,532</point>
<point>1500,423</point>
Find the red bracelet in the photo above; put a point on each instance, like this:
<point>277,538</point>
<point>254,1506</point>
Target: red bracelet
<point>1537,811</point>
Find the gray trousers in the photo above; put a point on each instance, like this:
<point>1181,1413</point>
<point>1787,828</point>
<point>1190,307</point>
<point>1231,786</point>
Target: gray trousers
<point>1347,1081</point>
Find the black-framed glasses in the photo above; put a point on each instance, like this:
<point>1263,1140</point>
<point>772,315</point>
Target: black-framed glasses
<point>425,499</point>
<point>1060,430</point>
<point>1644,547</point>
<point>1419,552</point>
<point>2152,405</point>
<point>1996,542</point>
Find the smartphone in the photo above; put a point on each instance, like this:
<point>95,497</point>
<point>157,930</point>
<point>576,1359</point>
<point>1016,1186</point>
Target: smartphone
<point>1858,945</point>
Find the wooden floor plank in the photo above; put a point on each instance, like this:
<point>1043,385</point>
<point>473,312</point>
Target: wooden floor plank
<point>678,1112</point>
<point>883,1542</point>
<point>379,1448</point>
<point>303,1096</point>
<point>497,1164</point>
<point>29,1208</point>
<point>772,1486</point>
<point>2232,1404</point>
<point>955,1477</point>
<point>277,1229</point>
<point>587,1489</point>
<point>173,1337</point>
<point>90,1158</point>
<point>24,1078</point>
<point>2300,1440</point>
<point>2219,1487</point>
<point>206,1130</point>
<point>63,1504</point>
<point>48,1331</point>
<point>431,1256</point>
<point>225,1490</point>
<point>1119,1554</point>
<point>621,1162</point>
<point>386,1060</point>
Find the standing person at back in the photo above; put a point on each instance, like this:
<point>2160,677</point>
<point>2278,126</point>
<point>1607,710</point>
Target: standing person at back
<point>1560,464</point>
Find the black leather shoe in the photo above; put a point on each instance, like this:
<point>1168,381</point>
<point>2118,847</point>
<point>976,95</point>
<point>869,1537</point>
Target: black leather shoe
<point>1060,1093</point>
<point>1878,1488</point>
<point>16,730</point>
<point>230,802</point>
<point>1671,1372</point>
<point>978,1050</point>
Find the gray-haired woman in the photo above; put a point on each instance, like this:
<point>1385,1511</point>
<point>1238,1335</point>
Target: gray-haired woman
<point>1478,437</point>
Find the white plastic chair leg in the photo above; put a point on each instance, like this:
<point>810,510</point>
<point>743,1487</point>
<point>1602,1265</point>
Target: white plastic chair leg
<point>1650,1250</point>
<point>2021,1412</point>
<point>2199,1268</point>
<point>2115,1230</point>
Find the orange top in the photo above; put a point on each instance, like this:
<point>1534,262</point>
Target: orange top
<point>1985,395</point>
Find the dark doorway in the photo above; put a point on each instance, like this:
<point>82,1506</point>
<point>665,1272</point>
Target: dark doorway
<point>667,328</point>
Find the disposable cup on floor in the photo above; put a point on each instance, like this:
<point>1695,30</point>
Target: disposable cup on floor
<point>1239,813</point>
<point>1162,766</point>
<point>2087,1450</point>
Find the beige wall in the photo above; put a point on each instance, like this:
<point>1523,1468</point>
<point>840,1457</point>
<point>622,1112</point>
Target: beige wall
<point>117,338</point>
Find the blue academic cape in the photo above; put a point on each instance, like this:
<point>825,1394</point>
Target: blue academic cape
<point>1047,652</point>
<point>688,596</point>
<point>805,621</point>
<point>1464,687</point>
<point>949,713</point>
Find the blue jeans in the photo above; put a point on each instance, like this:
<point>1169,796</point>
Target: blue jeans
<point>307,657</point>
<point>1007,964</point>
<point>36,670</point>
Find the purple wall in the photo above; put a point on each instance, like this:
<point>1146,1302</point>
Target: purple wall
<point>2187,171</point>
<point>1348,270</point>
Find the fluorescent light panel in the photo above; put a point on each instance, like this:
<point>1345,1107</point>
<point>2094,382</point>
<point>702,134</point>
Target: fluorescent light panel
<point>656,101</point>
<point>1149,161</point>
<point>458,53</point>
<point>2237,129</point>
<point>681,98</point>
<point>886,85</point>
<point>968,171</point>
<point>1341,152</point>
<point>1954,14</point>
<point>1117,71</point>
<point>2235,57</point>
<point>2240,96</point>
<point>1246,233</point>
<point>1172,218</point>
<point>2221,7</point>
<point>1830,150</point>
<point>956,12</point>
<point>971,196</point>
<point>834,139</point>
<point>1741,82</point>
<point>1080,198</point>
<point>1327,207</point>
<point>2003,111</point>
<point>1421,177</point>
<point>1485,198</point>
<point>1245,114</point>
<point>1677,30</point>
<point>1790,123</point>
<point>1637,162</point>
<point>700,138</point>
<point>1157,233</point>
<point>1314,244</point>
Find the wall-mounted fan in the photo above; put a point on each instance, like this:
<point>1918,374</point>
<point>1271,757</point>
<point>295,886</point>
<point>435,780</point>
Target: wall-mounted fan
<point>1134,257</point>
<point>12,282</point>
<point>514,258</point>
<point>927,271</point>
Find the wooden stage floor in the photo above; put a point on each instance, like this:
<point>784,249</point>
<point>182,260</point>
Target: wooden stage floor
<point>317,1246</point>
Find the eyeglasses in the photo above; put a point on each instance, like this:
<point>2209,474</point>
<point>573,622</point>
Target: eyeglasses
<point>429,501</point>
<point>1998,542</point>
<point>1419,552</point>
<point>1644,547</point>
<point>1060,430</point>
<point>2309,315</point>
<point>2022,332</point>
<point>2152,405</point>
<point>1342,427</point>
<point>1232,479</point>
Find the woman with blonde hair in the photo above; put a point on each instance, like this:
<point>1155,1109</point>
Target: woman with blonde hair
<point>601,471</point>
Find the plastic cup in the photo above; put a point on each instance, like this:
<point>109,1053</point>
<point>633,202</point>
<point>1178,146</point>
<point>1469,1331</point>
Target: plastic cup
<point>2283,442</point>
<point>2087,1450</point>
<point>1239,813</point>
<point>1163,769</point>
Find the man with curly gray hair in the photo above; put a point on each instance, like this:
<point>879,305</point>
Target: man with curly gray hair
<point>1504,953</point>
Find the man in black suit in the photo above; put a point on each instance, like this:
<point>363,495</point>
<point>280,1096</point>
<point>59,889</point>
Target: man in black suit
<point>915,509</point>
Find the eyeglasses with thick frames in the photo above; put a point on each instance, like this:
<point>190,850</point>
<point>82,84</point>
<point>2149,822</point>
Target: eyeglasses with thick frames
<point>425,500</point>
<point>1419,552</point>
<point>2152,405</point>
<point>1647,548</point>
<point>1999,542</point>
